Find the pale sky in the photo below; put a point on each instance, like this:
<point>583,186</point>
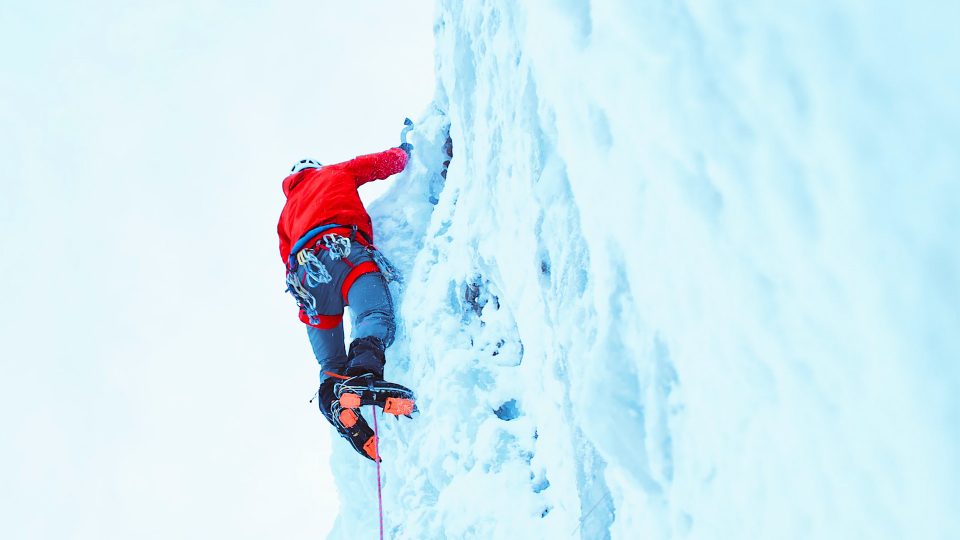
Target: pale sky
<point>155,378</point>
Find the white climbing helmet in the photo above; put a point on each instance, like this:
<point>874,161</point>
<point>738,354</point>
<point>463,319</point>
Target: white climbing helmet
<point>305,164</point>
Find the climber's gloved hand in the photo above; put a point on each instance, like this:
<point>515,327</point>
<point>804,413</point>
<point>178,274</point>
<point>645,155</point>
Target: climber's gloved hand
<point>407,147</point>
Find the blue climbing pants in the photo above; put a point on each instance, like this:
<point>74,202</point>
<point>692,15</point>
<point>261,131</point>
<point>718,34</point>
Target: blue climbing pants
<point>371,311</point>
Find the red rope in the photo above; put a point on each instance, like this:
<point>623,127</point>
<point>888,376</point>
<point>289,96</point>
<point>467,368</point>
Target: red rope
<point>376,447</point>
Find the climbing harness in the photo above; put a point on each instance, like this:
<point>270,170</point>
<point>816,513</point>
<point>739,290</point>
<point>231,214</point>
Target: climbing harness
<point>307,253</point>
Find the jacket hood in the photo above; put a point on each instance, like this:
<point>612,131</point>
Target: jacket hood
<point>293,180</point>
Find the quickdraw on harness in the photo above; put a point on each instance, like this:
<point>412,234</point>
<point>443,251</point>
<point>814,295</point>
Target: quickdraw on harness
<point>314,272</point>
<point>389,271</point>
<point>338,246</point>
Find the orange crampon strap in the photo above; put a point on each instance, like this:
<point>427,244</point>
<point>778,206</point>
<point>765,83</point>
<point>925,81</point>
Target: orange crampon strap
<point>350,401</point>
<point>397,406</point>
<point>348,418</point>
<point>370,447</point>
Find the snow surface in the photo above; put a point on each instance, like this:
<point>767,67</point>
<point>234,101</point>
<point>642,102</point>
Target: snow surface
<point>691,274</point>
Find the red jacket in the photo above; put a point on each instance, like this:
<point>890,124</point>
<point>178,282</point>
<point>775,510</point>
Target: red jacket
<point>329,195</point>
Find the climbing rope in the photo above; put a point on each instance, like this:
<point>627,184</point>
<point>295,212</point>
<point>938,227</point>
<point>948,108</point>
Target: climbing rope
<point>585,516</point>
<point>376,451</point>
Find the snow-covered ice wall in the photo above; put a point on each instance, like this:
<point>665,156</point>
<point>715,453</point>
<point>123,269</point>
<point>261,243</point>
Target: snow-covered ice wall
<point>693,273</point>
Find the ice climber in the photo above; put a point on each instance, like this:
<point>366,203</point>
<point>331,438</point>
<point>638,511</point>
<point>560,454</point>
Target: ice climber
<point>326,242</point>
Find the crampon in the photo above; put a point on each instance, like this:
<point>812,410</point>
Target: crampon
<point>353,427</point>
<point>366,389</point>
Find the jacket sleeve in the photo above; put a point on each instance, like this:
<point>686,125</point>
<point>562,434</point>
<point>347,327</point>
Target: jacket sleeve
<point>376,166</point>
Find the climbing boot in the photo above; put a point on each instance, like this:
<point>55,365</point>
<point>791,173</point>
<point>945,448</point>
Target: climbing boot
<point>366,356</point>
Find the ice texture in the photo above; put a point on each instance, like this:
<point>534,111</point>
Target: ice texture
<point>689,275</point>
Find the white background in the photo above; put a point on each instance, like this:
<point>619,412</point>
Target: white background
<point>155,379</point>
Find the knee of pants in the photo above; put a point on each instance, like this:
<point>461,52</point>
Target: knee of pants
<point>372,307</point>
<point>376,323</point>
